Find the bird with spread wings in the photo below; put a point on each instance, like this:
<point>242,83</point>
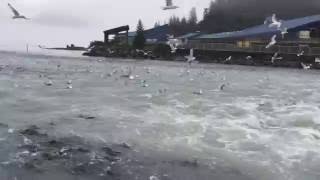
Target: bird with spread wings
<point>17,15</point>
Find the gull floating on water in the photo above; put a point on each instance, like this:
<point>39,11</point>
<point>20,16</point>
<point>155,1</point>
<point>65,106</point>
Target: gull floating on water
<point>222,87</point>
<point>10,131</point>
<point>131,77</point>
<point>26,141</point>
<point>272,42</point>
<point>17,15</point>
<point>275,22</point>
<point>144,83</point>
<point>153,178</point>
<point>48,83</point>
<point>169,5</point>
<point>200,92</point>
<point>69,86</point>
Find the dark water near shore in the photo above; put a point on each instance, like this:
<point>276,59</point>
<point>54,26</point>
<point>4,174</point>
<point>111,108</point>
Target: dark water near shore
<point>263,125</point>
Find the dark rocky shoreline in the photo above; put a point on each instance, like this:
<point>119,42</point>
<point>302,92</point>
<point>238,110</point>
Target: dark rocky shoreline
<point>247,59</point>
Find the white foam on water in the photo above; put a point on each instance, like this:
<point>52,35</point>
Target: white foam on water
<point>265,127</point>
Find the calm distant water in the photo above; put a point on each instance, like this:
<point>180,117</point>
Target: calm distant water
<point>263,125</point>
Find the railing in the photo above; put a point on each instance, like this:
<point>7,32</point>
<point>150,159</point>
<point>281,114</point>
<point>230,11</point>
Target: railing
<point>255,48</point>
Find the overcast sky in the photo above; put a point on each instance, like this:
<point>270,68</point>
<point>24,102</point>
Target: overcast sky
<point>58,22</point>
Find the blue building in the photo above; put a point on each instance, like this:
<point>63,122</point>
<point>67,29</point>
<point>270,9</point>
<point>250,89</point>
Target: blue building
<point>303,34</point>
<point>153,36</point>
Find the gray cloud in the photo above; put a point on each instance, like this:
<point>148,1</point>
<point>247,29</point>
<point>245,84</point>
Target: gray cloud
<point>61,20</point>
<point>58,22</point>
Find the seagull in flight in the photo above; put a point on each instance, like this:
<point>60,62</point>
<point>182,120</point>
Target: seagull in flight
<point>284,31</point>
<point>173,43</point>
<point>272,42</point>
<point>275,22</point>
<point>275,57</point>
<point>169,5</point>
<point>17,15</point>
<point>301,53</point>
<point>306,67</point>
<point>228,59</point>
<point>190,58</point>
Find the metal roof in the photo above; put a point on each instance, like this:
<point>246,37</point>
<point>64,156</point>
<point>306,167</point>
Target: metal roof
<point>160,33</point>
<point>291,25</point>
<point>189,35</point>
<point>117,30</point>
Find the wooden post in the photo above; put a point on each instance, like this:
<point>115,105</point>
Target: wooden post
<point>127,35</point>
<point>106,38</point>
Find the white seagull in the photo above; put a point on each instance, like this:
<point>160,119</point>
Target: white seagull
<point>275,57</point>
<point>26,140</point>
<point>10,131</point>
<point>69,86</point>
<point>284,31</point>
<point>17,15</point>
<point>169,5</point>
<point>275,22</point>
<point>173,43</point>
<point>144,83</point>
<point>190,58</point>
<point>306,67</point>
<point>200,92</point>
<point>228,59</point>
<point>272,42</point>
<point>48,83</point>
<point>69,83</point>
<point>301,53</point>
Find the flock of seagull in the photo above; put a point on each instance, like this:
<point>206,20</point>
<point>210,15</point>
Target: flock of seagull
<point>275,23</point>
<point>175,43</point>
<point>272,23</point>
<point>128,73</point>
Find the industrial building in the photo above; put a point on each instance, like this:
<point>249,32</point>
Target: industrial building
<point>303,35</point>
<point>154,35</point>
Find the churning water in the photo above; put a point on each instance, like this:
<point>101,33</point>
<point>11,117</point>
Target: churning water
<point>249,123</point>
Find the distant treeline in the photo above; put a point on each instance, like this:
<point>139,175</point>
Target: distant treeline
<point>231,15</point>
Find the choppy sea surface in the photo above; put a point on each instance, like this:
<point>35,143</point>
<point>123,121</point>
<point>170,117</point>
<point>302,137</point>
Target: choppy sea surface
<point>69,117</point>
